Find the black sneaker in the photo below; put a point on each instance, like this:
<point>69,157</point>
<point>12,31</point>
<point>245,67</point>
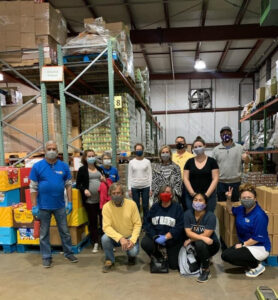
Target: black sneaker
<point>46,262</point>
<point>205,275</point>
<point>72,258</point>
<point>131,260</point>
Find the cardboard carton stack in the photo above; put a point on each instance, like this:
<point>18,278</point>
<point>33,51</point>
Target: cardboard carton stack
<point>26,25</point>
<point>258,178</point>
<point>25,120</point>
<point>99,138</point>
<point>268,199</point>
<point>9,196</point>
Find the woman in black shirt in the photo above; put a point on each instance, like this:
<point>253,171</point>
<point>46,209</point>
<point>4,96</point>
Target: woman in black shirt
<point>201,174</point>
<point>199,227</point>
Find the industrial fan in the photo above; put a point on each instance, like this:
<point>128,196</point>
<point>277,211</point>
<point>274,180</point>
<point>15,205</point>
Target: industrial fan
<point>200,99</point>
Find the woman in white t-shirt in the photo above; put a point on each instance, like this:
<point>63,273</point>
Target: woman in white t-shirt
<point>140,179</point>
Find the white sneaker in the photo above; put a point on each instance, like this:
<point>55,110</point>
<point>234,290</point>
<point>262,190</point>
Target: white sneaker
<point>95,249</point>
<point>255,272</point>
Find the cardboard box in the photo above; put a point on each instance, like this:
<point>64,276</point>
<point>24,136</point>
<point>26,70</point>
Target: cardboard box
<point>230,239</point>
<point>76,199</point>
<point>27,24</point>
<point>270,88</point>
<point>9,198</point>
<point>77,235</point>
<point>275,223</point>
<point>76,218</point>
<point>27,9</point>
<point>10,178</point>
<point>229,222</point>
<point>28,40</point>
<point>275,245</point>
<point>220,216</point>
<point>23,218</point>
<point>25,236</point>
<point>6,216</point>
<point>261,195</point>
<point>260,95</point>
<point>12,39</point>
<point>272,200</point>
<point>115,28</point>
<point>7,236</point>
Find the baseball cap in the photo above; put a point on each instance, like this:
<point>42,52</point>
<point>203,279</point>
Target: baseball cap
<point>226,128</point>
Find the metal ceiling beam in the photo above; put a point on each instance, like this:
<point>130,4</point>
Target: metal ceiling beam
<point>238,20</point>
<point>90,8</point>
<point>190,111</point>
<point>206,33</point>
<point>200,75</point>
<point>202,24</point>
<point>166,14</point>
<point>133,25</point>
<point>251,54</point>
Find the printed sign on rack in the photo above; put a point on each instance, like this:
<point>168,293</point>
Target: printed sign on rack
<point>117,102</point>
<point>52,74</point>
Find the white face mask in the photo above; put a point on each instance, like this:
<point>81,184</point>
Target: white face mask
<point>51,154</point>
<point>107,162</point>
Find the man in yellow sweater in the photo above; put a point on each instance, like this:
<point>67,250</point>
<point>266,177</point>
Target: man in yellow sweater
<point>121,226</point>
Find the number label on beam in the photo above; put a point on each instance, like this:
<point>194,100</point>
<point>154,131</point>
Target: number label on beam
<point>52,74</point>
<point>118,102</point>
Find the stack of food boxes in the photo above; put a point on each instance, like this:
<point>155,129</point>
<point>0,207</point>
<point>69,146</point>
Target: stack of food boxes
<point>9,195</point>
<point>267,198</point>
<point>99,138</point>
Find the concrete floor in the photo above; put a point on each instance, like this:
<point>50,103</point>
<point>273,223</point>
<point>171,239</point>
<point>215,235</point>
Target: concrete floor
<point>23,277</point>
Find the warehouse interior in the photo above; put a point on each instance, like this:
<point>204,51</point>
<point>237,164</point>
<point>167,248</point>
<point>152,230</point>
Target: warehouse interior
<point>132,71</point>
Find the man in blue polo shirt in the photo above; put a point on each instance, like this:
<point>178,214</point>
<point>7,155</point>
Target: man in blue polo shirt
<point>49,177</point>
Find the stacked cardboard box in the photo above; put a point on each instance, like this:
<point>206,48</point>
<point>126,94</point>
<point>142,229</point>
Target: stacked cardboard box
<point>25,120</point>
<point>258,178</point>
<point>99,138</point>
<point>25,24</point>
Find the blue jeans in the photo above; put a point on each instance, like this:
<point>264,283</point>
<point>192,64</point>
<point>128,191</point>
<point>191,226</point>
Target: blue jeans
<point>108,244</point>
<point>211,202</point>
<point>61,219</point>
<point>222,188</point>
<point>145,194</point>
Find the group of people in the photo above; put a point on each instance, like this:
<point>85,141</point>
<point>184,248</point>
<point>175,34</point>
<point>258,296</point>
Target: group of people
<point>184,187</point>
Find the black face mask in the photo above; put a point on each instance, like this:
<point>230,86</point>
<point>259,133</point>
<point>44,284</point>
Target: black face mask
<point>180,146</point>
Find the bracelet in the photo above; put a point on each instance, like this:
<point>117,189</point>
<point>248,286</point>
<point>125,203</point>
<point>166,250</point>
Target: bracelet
<point>242,244</point>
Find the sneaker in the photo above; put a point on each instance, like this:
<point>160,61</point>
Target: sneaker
<point>131,260</point>
<point>72,258</point>
<point>46,262</point>
<point>255,272</point>
<point>95,249</point>
<point>204,276</point>
<point>107,266</point>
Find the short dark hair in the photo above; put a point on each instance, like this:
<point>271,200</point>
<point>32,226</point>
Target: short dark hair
<point>181,137</point>
<point>247,187</point>
<point>199,139</point>
<point>203,196</point>
<point>139,144</point>
<point>84,156</point>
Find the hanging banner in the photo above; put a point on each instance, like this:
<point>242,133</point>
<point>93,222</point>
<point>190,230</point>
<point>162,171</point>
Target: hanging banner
<point>117,102</point>
<point>52,74</point>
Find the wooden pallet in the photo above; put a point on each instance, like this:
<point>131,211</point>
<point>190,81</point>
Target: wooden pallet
<point>8,248</point>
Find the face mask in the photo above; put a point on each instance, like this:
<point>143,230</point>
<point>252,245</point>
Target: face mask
<point>247,203</point>
<point>226,138</point>
<point>199,206</point>
<point>199,150</point>
<point>139,152</point>
<point>165,156</point>
<point>107,162</point>
<point>91,160</point>
<point>51,154</point>
<point>180,146</point>
<point>165,197</point>
<point>118,200</point>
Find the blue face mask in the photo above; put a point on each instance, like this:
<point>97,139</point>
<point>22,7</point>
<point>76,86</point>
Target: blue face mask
<point>139,153</point>
<point>199,150</point>
<point>91,160</point>
<point>226,138</point>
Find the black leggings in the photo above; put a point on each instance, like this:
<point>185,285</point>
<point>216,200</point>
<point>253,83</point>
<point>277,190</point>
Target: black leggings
<point>240,257</point>
<point>204,252</point>
<point>172,246</point>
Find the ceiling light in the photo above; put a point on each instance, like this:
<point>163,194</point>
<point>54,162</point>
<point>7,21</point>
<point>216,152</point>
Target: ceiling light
<point>1,77</point>
<point>200,64</point>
